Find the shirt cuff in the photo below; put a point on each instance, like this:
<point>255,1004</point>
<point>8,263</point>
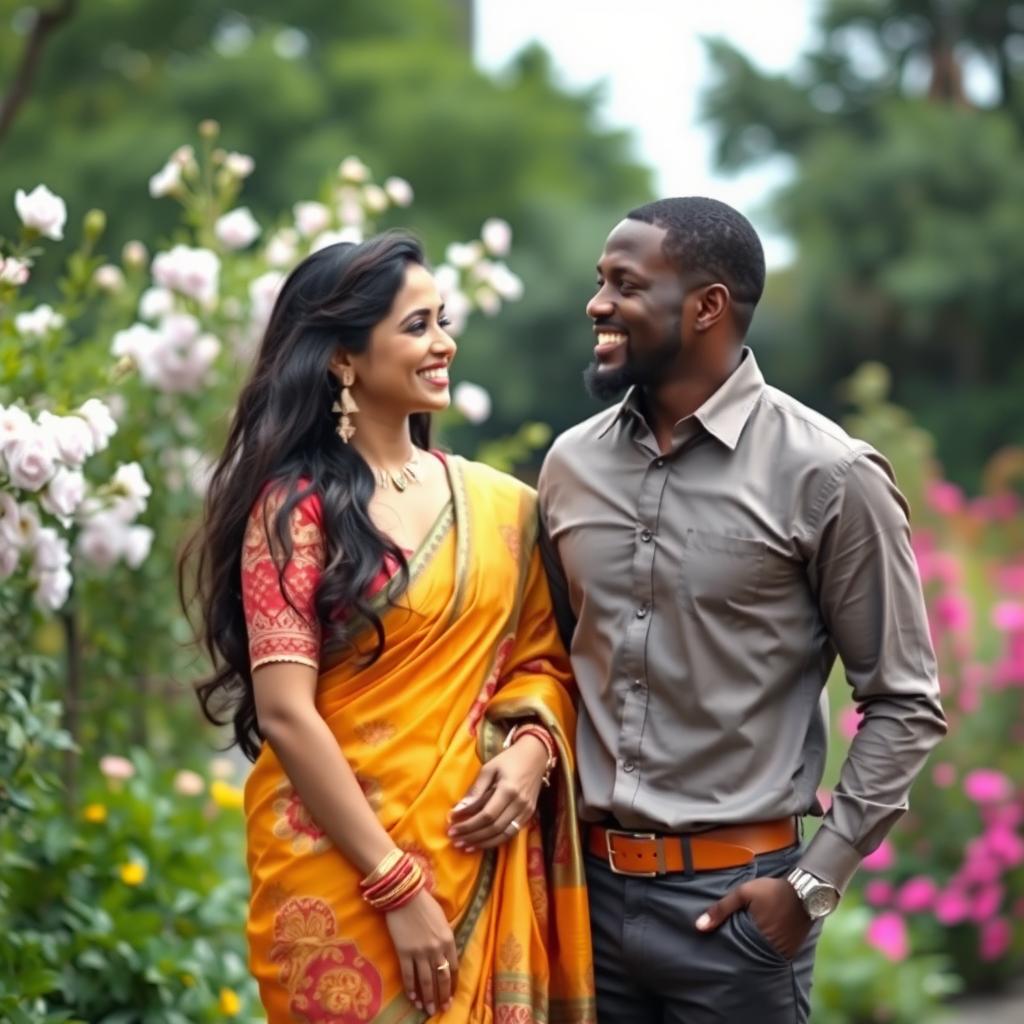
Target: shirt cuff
<point>831,858</point>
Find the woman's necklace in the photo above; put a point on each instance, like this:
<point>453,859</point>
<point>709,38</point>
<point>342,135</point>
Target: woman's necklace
<point>399,478</point>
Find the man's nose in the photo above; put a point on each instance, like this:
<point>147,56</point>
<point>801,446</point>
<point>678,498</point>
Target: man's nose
<point>599,305</point>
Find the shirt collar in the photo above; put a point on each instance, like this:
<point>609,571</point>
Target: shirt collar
<point>724,414</point>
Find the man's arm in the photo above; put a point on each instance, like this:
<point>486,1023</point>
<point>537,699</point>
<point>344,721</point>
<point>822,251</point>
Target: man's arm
<point>557,582</point>
<point>865,577</point>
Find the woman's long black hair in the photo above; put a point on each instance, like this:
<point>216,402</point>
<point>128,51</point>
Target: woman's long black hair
<point>283,432</point>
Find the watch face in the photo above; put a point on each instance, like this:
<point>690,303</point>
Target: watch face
<point>820,901</point>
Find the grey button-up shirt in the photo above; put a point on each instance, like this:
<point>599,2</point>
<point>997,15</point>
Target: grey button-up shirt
<point>704,593</point>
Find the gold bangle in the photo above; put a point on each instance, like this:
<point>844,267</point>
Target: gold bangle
<point>414,880</point>
<point>388,861</point>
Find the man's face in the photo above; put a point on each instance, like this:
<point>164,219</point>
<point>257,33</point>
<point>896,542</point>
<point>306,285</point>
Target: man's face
<point>637,312</point>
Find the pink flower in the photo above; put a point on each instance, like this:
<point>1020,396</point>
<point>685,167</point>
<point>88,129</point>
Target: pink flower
<point>1008,616</point>
<point>917,895</point>
<point>951,906</point>
<point>114,767</point>
<point>849,722</point>
<point>878,892</point>
<point>944,774</point>
<point>953,611</point>
<point>888,934</point>
<point>881,859</point>
<point>1005,846</point>
<point>1011,578</point>
<point>945,498</point>
<point>994,939</point>
<point>987,902</point>
<point>995,507</point>
<point>987,786</point>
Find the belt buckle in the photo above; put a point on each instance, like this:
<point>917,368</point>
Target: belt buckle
<point>608,833</point>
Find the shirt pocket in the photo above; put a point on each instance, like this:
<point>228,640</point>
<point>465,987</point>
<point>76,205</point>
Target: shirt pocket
<point>720,575</point>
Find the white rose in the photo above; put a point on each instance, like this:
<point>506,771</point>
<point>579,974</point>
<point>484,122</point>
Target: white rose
<point>184,157</point>
<point>263,292</point>
<point>166,181</point>
<point>140,343</point>
<point>487,300</point>
<point>446,278</point>
<point>155,303</point>
<point>191,272</point>
<point>64,493</point>
<point>137,543</point>
<point>311,218</point>
<point>37,323</point>
<point>237,229</point>
<point>399,191</point>
<point>19,524</point>
<point>10,522</point>
<point>179,329</point>
<point>102,540</point>
<point>350,234</point>
<point>109,278</point>
<point>42,211</point>
<point>52,589</point>
<point>282,249</point>
<point>508,285</point>
<point>130,481</point>
<point>72,436</point>
<point>463,254</point>
<point>239,165</point>
<point>497,236</point>
<point>353,169</point>
<point>14,424</point>
<point>134,254</point>
<point>375,198</point>
<point>457,307</point>
<point>50,552</point>
<point>9,558</point>
<point>101,422</point>
<point>31,460</point>
<point>472,401</point>
<point>13,271</point>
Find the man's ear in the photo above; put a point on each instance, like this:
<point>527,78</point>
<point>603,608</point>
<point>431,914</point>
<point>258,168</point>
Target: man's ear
<point>713,303</point>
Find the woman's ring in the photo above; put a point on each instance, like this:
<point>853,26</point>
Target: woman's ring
<point>512,828</point>
<point>443,966</point>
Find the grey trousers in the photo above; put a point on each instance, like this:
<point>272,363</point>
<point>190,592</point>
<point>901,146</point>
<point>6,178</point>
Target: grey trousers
<point>652,966</point>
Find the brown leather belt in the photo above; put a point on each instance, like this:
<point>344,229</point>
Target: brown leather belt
<point>650,854</point>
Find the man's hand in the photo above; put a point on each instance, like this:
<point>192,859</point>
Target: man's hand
<point>774,907</point>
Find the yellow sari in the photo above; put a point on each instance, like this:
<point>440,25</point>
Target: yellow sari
<point>470,647</point>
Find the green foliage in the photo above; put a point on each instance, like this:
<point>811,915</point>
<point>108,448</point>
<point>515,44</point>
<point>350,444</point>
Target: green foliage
<point>130,910</point>
<point>856,984</point>
<point>906,208</point>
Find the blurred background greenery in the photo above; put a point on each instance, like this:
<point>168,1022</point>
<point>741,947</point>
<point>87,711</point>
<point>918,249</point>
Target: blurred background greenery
<point>900,314</point>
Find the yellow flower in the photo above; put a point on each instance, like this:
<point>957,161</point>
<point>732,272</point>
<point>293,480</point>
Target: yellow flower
<point>188,981</point>
<point>96,813</point>
<point>133,873</point>
<point>225,795</point>
<point>230,1004</point>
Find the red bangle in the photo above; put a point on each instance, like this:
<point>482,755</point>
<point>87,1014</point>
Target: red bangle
<point>397,874</point>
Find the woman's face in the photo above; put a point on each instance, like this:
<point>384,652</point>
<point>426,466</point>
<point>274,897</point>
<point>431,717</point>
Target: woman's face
<point>405,368</point>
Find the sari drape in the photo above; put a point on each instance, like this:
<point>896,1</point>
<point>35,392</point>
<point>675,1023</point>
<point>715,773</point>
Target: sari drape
<point>471,646</point>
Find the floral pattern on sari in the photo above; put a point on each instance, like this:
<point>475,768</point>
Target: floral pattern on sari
<point>328,979</point>
<point>295,823</point>
<point>376,731</point>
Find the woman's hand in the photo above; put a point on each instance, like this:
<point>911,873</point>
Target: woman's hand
<point>424,943</point>
<point>503,798</point>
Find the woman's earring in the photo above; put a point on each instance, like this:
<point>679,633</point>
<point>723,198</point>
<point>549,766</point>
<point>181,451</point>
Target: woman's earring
<point>346,406</point>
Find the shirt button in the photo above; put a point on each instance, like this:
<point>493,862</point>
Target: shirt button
<point>628,766</point>
<point>659,463</point>
<point>646,536</point>
<point>641,612</point>
<point>638,684</point>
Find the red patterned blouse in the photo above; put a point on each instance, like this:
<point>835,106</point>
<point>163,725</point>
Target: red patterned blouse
<point>279,631</point>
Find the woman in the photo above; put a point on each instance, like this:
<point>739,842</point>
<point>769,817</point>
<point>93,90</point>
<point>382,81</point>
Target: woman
<point>381,626</point>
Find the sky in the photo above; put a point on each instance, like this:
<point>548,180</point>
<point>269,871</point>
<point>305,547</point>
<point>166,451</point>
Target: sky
<point>649,55</point>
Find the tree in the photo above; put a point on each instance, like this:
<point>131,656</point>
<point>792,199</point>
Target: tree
<point>906,207</point>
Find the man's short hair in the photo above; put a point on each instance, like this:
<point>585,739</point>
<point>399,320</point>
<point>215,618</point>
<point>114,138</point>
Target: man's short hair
<point>707,235</point>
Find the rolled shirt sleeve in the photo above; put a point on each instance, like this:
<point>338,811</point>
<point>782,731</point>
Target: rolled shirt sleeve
<point>865,577</point>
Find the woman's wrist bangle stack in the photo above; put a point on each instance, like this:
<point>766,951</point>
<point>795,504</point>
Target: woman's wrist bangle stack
<point>538,732</point>
<point>393,882</point>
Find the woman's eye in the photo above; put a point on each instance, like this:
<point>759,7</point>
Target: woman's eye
<point>444,321</point>
<point>417,327</point>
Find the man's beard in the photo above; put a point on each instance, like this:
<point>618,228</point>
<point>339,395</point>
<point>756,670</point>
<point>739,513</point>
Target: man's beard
<point>608,384</point>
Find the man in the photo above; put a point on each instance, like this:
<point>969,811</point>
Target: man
<point>712,545</point>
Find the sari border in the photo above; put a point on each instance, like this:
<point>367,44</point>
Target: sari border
<point>460,507</point>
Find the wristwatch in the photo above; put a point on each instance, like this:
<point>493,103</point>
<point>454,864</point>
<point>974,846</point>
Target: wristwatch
<point>818,897</point>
